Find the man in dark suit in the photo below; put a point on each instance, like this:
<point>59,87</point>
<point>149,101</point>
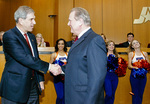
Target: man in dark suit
<point>23,75</point>
<point>1,37</point>
<point>69,43</point>
<point>86,64</point>
<point>148,46</point>
<point>130,37</point>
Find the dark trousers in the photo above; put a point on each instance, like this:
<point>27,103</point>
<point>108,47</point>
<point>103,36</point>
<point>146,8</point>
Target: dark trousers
<point>33,98</point>
<point>110,85</point>
<point>138,86</point>
<point>59,87</point>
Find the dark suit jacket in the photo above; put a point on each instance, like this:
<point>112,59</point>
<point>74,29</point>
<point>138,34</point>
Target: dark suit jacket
<point>1,43</point>
<point>85,70</point>
<point>124,45</point>
<point>148,46</point>
<point>16,78</point>
<point>69,43</point>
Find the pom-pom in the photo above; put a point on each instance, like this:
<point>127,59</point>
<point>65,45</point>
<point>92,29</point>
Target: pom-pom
<point>58,62</point>
<point>123,64</point>
<point>112,63</point>
<point>139,73</point>
<point>142,64</point>
<point>145,65</point>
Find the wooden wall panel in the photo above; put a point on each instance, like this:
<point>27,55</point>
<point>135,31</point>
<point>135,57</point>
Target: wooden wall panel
<point>64,7</point>
<point>45,24</point>
<point>14,4</point>
<point>113,18</point>
<point>141,31</point>
<point>95,10</point>
<point>4,14</point>
<point>117,19</point>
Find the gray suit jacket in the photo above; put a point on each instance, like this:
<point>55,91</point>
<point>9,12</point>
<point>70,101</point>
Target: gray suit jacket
<point>86,70</point>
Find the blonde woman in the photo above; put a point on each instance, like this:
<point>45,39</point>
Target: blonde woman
<point>137,80</point>
<point>40,40</point>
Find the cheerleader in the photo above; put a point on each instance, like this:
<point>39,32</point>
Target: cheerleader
<point>59,57</point>
<point>138,75</point>
<point>111,80</point>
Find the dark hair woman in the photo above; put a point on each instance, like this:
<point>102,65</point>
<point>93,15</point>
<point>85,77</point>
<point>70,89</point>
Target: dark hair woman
<point>59,57</point>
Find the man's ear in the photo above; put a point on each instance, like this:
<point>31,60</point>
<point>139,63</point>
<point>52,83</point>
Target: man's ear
<point>81,21</point>
<point>20,20</point>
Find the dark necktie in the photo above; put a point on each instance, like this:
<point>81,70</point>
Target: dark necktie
<point>76,39</point>
<point>26,37</point>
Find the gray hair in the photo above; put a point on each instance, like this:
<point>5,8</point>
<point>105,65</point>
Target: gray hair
<point>82,13</point>
<point>22,12</point>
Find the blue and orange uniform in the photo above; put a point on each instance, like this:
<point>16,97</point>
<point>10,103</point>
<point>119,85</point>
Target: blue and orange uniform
<point>137,83</point>
<point>111,82</point>
<point>59,80</point>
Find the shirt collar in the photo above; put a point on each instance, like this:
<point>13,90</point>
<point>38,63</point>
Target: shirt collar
<point>129,42</point>
<point>21,31</point>
<point>83,32</point>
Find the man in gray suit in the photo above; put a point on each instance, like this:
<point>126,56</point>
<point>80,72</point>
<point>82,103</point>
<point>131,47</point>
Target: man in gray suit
<point>86,67</point>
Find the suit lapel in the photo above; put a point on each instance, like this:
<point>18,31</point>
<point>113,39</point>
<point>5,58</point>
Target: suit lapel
<point>18,33</point>
<point>80,40</point>
<point>75,44</point>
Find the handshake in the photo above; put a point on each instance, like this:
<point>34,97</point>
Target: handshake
<point>55,69</point>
